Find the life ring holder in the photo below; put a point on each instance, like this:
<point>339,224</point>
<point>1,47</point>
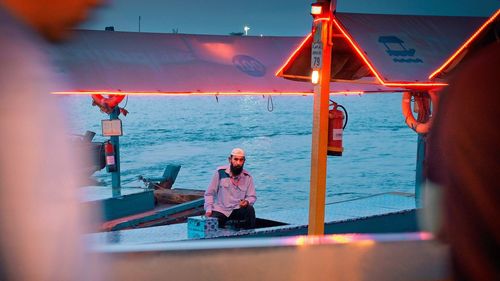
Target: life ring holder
<point>419,127</point>
<point>107,104</point>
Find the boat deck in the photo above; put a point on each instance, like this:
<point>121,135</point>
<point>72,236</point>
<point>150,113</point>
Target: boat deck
<point>337,215</point>
<point>96,193</point>
<point>134,207</point>
<point>350,209</point>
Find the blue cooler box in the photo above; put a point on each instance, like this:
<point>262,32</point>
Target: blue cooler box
<point>202,227</point>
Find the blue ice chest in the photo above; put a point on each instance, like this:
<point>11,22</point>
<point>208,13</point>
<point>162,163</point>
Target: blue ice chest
<point>202,227</point>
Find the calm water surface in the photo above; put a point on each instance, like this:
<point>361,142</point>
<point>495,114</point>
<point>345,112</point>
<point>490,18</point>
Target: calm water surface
<point>199,133</point>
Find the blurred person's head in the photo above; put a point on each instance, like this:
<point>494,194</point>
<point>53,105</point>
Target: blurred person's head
<point>463,165</point>
<point>51,18</point>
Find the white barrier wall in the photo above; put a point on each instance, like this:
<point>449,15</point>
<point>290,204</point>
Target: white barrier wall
<point>332,257</point>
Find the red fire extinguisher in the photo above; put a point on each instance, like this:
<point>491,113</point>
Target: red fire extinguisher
<point>109,152</point>
<point>336,126</point>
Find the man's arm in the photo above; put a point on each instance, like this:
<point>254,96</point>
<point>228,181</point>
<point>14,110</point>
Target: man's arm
<point>210,194</point>
<point>251,196</point>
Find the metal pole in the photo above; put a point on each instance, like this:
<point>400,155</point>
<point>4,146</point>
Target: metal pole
<point>419,173</point>
<point>320,131</point>
<point>115,176</point>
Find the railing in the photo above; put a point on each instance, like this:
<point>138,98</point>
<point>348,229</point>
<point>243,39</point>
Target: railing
<point>408,256</point>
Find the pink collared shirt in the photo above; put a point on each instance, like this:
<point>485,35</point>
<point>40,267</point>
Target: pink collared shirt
<point>225,191</point>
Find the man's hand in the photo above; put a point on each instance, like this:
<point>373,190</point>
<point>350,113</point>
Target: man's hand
<point>208,213</point>
<point>243,203</point>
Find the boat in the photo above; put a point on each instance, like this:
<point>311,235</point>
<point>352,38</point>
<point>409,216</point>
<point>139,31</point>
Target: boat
<point>154,203</point>
<point>94,150</point>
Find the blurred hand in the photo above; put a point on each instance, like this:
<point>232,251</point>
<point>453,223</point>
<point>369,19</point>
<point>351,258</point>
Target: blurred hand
<point>243,203</point>
<point>208,213</point>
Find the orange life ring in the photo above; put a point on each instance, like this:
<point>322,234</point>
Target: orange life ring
<point>107,103</point>
<point>419,127</point>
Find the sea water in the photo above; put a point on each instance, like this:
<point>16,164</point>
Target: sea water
<point>199,133</point>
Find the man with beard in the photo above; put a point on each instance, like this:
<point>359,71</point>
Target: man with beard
<point>231,194</point>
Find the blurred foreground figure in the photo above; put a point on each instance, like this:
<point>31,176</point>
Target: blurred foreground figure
<point>464,160</point>
<point>41,218</point>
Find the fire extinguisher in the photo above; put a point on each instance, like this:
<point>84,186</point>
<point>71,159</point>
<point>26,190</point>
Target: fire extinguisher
<point>109,152</point>
<point>336,126</point>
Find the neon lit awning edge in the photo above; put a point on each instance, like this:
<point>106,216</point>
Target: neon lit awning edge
<point>464,46</point>
<point>422,85</point>
<point>81,93</point>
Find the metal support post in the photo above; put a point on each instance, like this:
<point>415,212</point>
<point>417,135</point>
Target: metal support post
<point>320,128</point>
<point>419,172</point>
<point>115,176</point>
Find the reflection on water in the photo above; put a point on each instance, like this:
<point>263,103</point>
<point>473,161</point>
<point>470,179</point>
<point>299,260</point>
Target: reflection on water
<point>199,132</point>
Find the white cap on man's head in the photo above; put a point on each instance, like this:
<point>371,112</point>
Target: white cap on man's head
<point>238,152</point>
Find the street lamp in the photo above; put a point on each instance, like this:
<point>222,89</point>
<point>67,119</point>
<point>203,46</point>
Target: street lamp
<point>246,28</point>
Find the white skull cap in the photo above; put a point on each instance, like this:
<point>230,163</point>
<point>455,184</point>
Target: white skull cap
<point>238,152</point>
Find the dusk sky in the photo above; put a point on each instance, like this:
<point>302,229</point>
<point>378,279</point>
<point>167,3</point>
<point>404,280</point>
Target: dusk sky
<point>266,17</point>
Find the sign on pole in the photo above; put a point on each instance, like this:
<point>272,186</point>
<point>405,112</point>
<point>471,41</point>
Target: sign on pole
<point>317,47</point>
<point>112,127</point>
<point>316,55</point>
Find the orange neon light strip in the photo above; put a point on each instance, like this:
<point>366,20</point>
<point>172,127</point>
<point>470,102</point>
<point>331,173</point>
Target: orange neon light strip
<point>295,76</point>
<point>181,93</point>
<point>360,54</point>
<point>358,50</point>
<point>374,71</point>
<point>348,93</point>
<point>294,54</point>
<point>203,94</point>
<point>321,19</point>
<point>465,45</point>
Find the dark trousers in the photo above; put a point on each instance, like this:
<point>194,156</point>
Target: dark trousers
<point>239,218</point>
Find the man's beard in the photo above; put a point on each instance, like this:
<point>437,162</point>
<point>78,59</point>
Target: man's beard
<point>236,170</point>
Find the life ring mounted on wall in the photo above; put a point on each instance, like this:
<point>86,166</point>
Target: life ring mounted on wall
<point>106,104</point>
<point>425,104</point>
